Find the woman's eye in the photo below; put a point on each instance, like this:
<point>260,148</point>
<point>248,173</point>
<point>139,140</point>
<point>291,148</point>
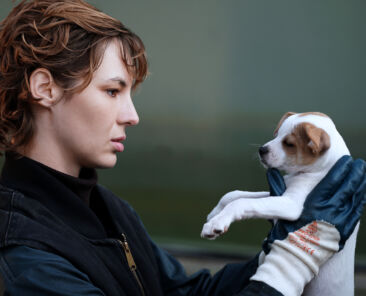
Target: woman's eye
<point>112,92</point>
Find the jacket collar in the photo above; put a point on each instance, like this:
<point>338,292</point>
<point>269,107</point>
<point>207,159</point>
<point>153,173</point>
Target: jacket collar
<point>56,193</point>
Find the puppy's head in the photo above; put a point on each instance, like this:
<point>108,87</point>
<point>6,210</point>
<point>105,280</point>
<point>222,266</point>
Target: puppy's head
<point>301,140</point>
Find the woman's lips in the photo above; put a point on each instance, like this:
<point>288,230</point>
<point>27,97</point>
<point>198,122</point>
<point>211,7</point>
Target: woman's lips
<point>117,144</point>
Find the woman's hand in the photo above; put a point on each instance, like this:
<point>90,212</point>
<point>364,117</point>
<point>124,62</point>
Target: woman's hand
<point>338,199</point>
<point>296,250</point>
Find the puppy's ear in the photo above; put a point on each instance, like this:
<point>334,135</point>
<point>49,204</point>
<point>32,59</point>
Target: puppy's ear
<point>319,140</point>
<point>284,117</point>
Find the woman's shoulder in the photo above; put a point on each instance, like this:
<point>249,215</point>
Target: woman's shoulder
<point>25,269</point>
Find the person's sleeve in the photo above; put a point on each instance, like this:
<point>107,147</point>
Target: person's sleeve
<point>232,279</point>
<point>30,272</point>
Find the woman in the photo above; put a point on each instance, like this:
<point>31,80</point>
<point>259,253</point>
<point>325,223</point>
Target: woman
<point>67,72</point>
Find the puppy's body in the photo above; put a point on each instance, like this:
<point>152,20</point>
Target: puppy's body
<point>306,146</point>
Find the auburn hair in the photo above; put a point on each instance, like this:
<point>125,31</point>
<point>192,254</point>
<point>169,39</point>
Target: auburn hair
<point>66,37</point>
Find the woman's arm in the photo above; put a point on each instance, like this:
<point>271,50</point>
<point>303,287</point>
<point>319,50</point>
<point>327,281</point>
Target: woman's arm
<point>334,193</point>
<point>31,272</point>
<point>230,280</point>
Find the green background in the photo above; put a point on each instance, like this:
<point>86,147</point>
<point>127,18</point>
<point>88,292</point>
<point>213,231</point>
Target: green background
<point>222,75</point>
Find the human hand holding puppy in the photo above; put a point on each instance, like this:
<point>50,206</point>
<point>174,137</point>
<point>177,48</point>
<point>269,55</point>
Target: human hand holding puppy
<point>306,147</point>
<point>295,250</point>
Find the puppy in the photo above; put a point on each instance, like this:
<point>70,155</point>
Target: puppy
<point>305,147</point>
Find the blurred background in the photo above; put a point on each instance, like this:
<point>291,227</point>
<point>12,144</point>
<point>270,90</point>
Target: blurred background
<point>222,73</point>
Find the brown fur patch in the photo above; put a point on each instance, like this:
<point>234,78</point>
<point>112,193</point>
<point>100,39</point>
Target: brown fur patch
<point>284,117</point>
<point>313,113</point>
<point>306,143</point>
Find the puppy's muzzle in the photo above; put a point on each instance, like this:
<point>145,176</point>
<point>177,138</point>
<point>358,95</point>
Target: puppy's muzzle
<point>263,151</point>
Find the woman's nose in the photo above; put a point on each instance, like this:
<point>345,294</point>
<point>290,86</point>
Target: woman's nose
<point>134,118</point>
<point>128,115</point>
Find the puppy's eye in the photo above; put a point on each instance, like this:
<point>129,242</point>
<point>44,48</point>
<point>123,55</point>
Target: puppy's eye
<point>288,144</point>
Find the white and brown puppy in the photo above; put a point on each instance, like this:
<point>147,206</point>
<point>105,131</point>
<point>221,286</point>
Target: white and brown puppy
<point>305,147</point>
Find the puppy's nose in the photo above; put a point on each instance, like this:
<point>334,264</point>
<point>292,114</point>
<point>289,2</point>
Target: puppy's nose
<point>263,150</point>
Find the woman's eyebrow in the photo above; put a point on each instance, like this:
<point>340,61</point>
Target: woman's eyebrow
<point>120,80</point>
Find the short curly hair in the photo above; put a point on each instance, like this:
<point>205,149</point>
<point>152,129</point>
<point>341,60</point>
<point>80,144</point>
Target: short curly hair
<point>68,38</point>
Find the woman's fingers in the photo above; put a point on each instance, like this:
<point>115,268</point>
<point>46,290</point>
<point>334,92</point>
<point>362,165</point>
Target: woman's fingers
<point>352,184</point>
<point>354,206</point>
<point>330,184</point>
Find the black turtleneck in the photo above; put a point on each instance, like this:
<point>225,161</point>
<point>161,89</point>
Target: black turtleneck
<point>40,209</point>
<point>81,186</point>
<point>70,198</point>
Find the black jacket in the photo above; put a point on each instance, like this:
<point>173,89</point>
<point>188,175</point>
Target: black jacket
<point>37,212</point>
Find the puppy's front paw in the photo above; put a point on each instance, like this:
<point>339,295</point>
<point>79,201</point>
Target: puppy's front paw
<point>224,201</point>
<point>214,212</point>
<point>215,227</point>
<point>207,232</point>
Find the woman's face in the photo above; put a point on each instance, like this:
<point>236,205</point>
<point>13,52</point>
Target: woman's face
<point>90,125</point>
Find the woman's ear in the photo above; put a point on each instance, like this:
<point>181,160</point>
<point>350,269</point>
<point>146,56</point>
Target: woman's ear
<point>44,89</point>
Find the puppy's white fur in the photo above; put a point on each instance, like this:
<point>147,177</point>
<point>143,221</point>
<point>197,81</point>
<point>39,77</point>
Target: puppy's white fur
<point>336,276</point>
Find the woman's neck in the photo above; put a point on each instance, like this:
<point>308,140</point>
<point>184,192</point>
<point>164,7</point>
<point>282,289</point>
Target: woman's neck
<point>49,155</point>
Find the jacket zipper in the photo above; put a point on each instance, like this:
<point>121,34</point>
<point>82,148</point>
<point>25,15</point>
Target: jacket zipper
<point>131,261</point>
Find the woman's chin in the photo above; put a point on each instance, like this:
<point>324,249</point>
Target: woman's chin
<point>106,162</point>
